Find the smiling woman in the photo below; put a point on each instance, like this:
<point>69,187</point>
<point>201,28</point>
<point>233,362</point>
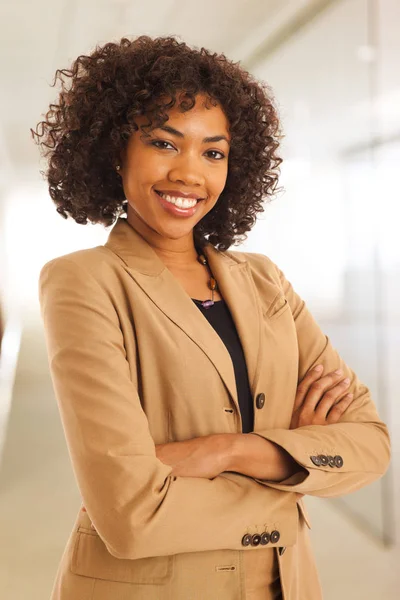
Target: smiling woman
<point>194,426</point>
<point>136,87</point>
<point>181,174</point>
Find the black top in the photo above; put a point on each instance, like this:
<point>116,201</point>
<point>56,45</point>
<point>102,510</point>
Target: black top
<point>221,320</point>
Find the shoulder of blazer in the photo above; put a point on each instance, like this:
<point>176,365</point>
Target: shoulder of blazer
<point>92,260</point>
<point>98,261</point>
<point>259,264</point>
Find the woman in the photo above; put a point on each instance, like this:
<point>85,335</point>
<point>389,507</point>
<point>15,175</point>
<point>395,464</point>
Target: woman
<point>185,372</point>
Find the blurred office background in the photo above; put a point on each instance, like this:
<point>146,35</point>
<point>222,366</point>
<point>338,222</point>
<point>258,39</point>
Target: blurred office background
<point>334,230</point>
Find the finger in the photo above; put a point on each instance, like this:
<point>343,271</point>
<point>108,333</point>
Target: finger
<point>318,389</point>
<point>331,397</point>
<point>339,408</point>
<point>305,383</point>
<point>326,382</point>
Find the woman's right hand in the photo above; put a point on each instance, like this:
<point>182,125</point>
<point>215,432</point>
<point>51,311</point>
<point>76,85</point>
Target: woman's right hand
<point>319,400</point>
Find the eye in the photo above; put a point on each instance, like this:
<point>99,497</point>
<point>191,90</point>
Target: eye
<point>159,144</point>
<point>221,155</point>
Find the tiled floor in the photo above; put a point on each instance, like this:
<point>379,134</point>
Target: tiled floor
<point>39,500</point>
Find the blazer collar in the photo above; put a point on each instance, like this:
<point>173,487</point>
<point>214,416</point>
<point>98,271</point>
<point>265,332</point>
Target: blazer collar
<point>236,286</point>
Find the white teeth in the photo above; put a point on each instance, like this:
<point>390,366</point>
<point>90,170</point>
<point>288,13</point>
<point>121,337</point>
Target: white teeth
<point>179,202</point>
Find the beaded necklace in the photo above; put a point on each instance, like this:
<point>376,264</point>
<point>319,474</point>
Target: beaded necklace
<point>212,283</point>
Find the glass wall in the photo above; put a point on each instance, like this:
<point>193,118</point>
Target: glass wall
<point>334,230</point>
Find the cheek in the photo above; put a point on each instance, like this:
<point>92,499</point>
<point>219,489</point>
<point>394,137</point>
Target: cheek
<point>219,181</point>
<point>144,174</point>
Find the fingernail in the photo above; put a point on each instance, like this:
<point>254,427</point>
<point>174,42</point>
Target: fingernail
<point>339,372</point>
<point>318,368</point>
<point>347,380</point>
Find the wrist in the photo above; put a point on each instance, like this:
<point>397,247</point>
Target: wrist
<point>229,450</point>
<point>256,456</point>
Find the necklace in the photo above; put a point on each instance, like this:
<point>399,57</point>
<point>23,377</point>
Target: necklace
<point>212,283</point>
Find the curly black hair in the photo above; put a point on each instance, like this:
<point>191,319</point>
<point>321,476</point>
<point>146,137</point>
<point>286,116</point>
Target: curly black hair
<point>85,133</point>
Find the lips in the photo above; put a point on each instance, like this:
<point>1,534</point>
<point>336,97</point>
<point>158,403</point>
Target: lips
<point>173,209</point>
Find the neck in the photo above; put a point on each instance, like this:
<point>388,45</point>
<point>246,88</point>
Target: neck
<point>175,253</point>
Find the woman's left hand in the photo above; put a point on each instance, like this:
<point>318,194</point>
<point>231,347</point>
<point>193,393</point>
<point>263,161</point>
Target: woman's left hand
<point>199,457</point>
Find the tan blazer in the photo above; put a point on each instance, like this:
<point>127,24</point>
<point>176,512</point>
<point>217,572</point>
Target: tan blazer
<point>134,364</point>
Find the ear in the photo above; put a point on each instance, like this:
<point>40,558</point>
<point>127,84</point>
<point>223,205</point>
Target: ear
<point>121,161</point>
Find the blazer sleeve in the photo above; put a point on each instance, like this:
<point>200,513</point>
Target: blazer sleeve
<point>339,458</point>
<point>137,507</point>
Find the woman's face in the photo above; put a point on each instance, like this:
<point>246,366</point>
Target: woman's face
<point>173,178</point>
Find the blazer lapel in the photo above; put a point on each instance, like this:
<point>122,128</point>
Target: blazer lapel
<point>164,290</point>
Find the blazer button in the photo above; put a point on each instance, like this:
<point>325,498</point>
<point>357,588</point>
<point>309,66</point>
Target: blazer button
<point>316,460</point>
<point>331,461</point>
<point>338,461</point>
<point>260,400</point>
<point>324,460</point>
<point>275,536</point>
<point>264,538</point>
<point>246,540</point>
<point>255,540</point>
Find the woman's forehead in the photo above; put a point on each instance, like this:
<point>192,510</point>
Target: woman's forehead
<point>203,115</point>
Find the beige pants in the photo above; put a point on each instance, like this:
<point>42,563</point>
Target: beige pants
<point>262,574</point>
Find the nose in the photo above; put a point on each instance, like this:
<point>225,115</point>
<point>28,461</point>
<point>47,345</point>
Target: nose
<point>187,171</point>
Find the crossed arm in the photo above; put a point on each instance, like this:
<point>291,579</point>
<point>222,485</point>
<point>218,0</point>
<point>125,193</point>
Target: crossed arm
<point>210,455</point>
<point>318,401</point>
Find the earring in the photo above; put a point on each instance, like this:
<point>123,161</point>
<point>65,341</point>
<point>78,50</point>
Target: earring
<point>118,168</point>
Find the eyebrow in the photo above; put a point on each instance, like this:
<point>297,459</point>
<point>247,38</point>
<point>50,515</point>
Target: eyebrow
<point>206,140</point>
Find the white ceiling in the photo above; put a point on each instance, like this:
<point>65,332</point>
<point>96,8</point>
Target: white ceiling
<point>39,37</point>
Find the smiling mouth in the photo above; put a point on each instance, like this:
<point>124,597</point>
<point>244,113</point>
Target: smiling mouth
<point>182,203</point>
